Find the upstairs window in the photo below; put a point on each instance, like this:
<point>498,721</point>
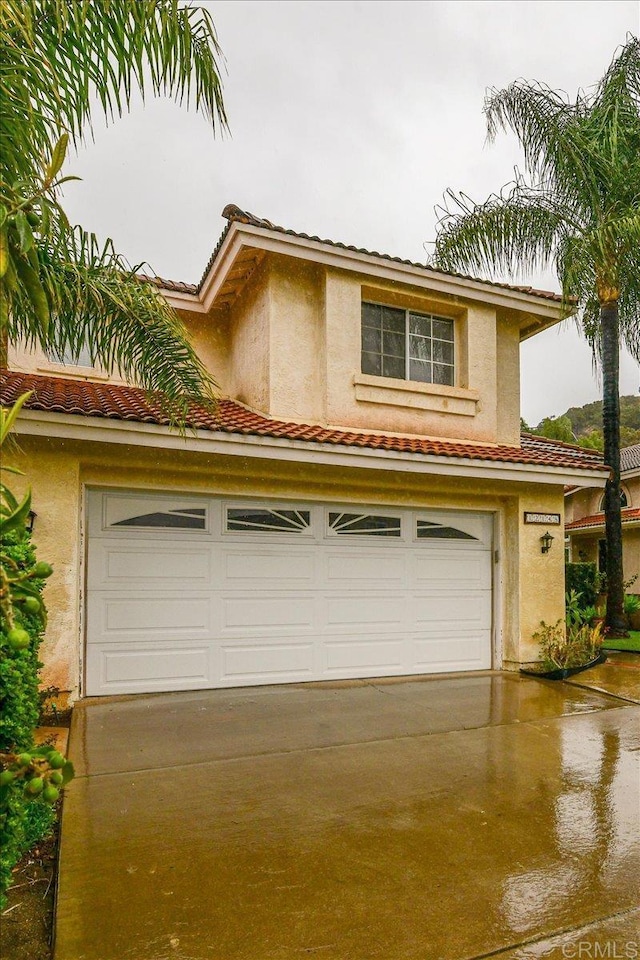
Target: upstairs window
<point>623,501</point>
<point>407,345</point>
<point>69,358</point>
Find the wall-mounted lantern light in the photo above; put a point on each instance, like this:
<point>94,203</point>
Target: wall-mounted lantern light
<point>31,519</point>
<point>545,541</point>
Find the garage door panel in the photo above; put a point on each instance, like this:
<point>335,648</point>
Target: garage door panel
<point>242,568</point>
<point>156,616</point>
<point>348,566</point>
<point>150,565</point>
<point>447,612</point>
<point>149,667</point>
<point>256,613</point>
<point>366,610</point>
<point>280,661</point>
<point>456,571</point>
<point>454,652</point>
<point>364,653</point>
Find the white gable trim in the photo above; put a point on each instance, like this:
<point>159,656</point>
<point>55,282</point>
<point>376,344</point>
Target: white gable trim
<point>543,313</point>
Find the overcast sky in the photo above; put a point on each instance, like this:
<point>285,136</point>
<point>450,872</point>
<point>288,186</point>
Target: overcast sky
<point>349,119</point>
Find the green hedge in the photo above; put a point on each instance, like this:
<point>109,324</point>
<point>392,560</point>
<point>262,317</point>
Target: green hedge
<point>584,579</point>
<point>22,822</point>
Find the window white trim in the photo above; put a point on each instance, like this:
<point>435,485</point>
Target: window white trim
<point>419,314</point>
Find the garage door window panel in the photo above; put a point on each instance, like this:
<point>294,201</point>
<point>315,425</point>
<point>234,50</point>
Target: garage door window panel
<point>427,530</point>
<point>364,525</point>
<point>264,520</point>
<point>154,515</point>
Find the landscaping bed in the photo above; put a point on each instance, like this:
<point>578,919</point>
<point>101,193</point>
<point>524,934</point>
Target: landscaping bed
<point>27,920</point>
<point>26,923</point>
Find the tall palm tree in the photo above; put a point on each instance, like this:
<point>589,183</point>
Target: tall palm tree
<point>61,63</point>
<point>577,208</point>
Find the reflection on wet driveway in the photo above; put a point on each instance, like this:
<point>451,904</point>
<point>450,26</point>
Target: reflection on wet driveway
<point>448,818</point>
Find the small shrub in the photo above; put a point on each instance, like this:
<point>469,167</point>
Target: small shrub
<point>584,580</point>
<point>30,776</point>
<point>589,614</point>
<point>562,650</point>
<point>19,687</point>
<point>631,604</point>
<point>22,825</point>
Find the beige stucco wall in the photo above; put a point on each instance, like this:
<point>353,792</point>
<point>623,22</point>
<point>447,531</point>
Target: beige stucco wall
<point>507,381</point>
<point>541,575</point>
<point>584,548</point>
<point>53,471</point>
<point>297,340</point>
<point>529,586</point>
<point>469,410</point>
<point>210,336</point>
<point>290,346</point>
<point>249,358</point>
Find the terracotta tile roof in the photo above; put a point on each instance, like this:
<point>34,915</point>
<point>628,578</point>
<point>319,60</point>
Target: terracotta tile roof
<point>88,399</point>
<point>235,215</point>
<point>629,514</point>
<point>176,285</point>
<point>630,457</point>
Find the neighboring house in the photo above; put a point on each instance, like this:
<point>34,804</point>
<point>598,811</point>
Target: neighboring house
<point>355,508</point>
<point>584,519</point>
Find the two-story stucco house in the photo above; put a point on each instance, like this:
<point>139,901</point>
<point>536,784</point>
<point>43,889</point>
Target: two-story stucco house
<point>584,520</point>
<point>362,504</point>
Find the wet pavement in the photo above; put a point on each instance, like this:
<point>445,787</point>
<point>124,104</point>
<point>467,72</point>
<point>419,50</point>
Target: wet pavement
<point>619,676</point>
<point>443,819</point>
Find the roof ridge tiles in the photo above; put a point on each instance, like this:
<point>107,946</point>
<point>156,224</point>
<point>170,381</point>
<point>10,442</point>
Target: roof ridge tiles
<point>233,214</point>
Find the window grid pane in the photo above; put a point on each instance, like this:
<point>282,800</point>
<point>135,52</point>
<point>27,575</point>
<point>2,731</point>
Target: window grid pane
<point>407,345</point>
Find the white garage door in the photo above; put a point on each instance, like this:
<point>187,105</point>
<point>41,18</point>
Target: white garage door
<point>191,592</point>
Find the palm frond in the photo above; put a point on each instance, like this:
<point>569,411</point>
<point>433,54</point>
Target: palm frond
<point>516,231</point>
<point>97,300</point>
<point>61,58</point>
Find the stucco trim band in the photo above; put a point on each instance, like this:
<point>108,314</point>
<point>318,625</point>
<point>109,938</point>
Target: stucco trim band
<point>423,396</point>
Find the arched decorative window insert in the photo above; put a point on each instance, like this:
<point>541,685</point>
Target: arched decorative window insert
<point>189,518</point>
<point>427,530</point>
<point>265,520</point>
<point>364,525</point>
<point>624,502</point>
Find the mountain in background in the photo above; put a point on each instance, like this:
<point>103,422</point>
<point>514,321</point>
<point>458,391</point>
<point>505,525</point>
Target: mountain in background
<point>583,425</point>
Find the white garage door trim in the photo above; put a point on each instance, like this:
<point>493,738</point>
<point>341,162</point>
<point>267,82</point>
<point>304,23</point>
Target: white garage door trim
<point>188,592</point>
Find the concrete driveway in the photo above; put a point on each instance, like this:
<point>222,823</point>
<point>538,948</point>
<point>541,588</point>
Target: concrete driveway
<point>438,818</point>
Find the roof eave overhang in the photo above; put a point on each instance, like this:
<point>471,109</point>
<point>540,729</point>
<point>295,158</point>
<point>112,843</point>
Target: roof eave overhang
<point>630,474</point>
<point>599,527</point>
<point>102,430</point>
<point>538,313</point>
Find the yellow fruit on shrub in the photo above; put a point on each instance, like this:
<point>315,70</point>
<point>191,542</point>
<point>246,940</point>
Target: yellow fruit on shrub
<point>32,605</point>
<point>18,638</point>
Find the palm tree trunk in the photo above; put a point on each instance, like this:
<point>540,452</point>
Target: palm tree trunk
<point>615,620</point>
